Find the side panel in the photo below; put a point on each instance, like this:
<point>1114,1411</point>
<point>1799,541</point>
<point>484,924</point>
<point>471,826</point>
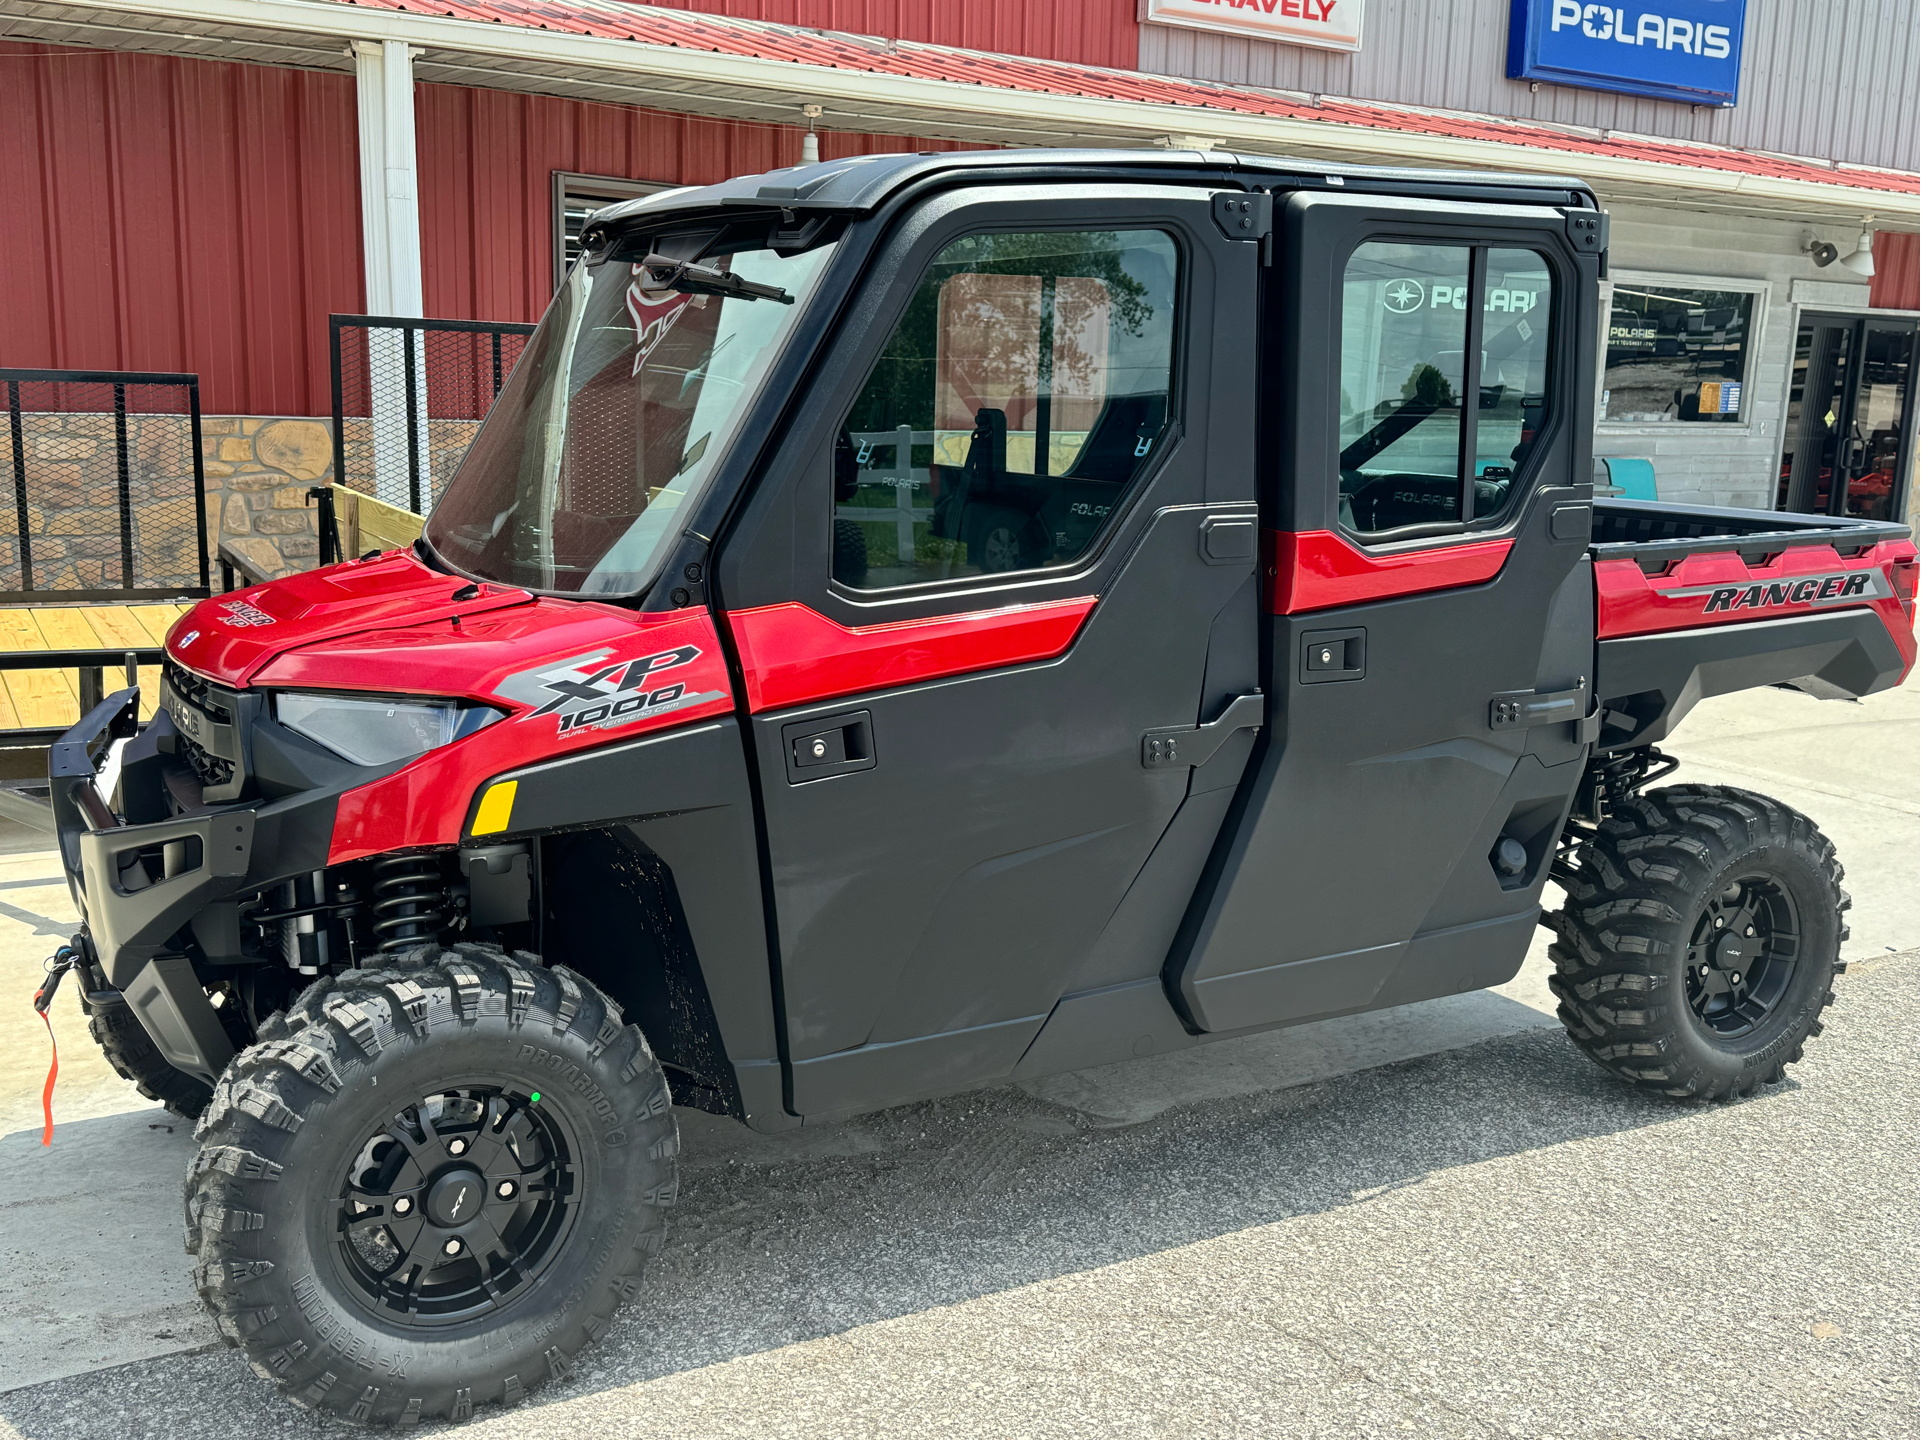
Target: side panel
<point>1649,682</point>
<point>683,799</point>
<point>1375,801</point>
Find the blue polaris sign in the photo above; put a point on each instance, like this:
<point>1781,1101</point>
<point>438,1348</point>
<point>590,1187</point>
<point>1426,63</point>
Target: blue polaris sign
<point>1687,50</point>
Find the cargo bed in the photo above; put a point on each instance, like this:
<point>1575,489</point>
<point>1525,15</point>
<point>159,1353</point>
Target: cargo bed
<point>1699,601</point>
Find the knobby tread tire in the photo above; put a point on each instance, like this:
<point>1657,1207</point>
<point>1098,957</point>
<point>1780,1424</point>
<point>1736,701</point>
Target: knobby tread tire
<point>133,1055</point>
<point>270,1127</point>
<point>1622,938</point>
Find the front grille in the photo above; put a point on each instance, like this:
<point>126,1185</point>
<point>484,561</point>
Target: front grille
<point>195,692</point>
<point>209,768</point>
<point>212,715</point>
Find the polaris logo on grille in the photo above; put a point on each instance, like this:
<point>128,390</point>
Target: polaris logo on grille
<point>1817,592</point>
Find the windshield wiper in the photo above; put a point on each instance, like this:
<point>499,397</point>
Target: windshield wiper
<point>692,279</point>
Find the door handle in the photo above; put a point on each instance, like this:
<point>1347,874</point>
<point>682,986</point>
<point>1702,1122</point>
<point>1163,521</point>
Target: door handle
<point>1524,709</point>
<point>828,746</point>
<point>1195,745</point>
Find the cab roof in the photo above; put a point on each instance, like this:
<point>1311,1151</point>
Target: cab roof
<point>863,183</point>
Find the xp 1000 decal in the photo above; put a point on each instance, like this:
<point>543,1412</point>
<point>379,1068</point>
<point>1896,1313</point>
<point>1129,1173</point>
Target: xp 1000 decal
<point>599,691</point>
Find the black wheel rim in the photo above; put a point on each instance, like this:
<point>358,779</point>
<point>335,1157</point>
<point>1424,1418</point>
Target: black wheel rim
<point>456,1206</point>
<point>1742,956</point>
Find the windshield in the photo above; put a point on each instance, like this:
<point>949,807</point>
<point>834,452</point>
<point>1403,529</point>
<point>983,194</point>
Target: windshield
<point>612,423</point>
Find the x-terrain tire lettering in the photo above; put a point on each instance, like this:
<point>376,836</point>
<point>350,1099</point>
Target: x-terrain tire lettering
<point>428,1187</point>
<point>1700,941</point>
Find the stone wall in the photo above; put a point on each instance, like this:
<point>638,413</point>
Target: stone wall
<point>258,472</point>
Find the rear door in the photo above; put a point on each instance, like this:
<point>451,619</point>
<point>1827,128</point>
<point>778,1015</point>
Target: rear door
<point>1012,533</point>
<point>1428,636</point>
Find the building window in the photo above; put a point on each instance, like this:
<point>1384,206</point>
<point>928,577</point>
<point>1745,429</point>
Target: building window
<point>578,196</point>
<point>1676,355</point>
<point>1018,402</point>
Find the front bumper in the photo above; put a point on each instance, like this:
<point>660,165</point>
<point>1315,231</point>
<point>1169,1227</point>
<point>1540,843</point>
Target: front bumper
<point>130,918</point>
<point>151,892</point>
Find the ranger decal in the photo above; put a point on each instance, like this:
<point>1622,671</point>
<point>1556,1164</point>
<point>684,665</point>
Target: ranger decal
<point>1853,587</point>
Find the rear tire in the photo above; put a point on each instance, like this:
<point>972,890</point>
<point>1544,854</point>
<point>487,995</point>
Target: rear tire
<point>1700,941</point>
<point>132,1054</point>
<point>395,1218</point>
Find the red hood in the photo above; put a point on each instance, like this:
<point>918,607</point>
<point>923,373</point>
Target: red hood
<point>229,638</point>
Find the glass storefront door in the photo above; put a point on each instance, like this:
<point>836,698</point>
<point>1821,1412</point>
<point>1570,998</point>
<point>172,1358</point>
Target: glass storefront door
<point>1846,448</point>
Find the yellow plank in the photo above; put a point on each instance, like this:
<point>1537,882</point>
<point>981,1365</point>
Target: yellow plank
<point>9,717</point>
<point>18,632</point>
<point>149,691</point>
<point>115,627</point>
<point>155,619</point>
<point>382,526</point>
<point>43,698</point>
<point>66,628</point>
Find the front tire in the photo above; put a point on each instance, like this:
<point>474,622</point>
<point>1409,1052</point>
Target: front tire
<point>1700,941</point>
<point>428,1188</point>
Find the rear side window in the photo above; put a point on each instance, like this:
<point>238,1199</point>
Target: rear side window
<point>1422,328</point>
<point>1016,404</point>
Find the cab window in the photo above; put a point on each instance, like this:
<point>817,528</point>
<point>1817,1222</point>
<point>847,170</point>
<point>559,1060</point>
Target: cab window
<point>1016,404</point>
<point>1423,327</point>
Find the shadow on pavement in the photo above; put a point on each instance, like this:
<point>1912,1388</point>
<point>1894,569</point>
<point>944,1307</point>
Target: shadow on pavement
<point>782,1240</point>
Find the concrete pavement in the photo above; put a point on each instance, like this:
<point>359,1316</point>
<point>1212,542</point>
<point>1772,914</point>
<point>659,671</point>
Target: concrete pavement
<point>1471,1231</point>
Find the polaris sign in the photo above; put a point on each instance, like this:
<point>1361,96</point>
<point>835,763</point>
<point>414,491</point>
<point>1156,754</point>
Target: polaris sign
<point>1687,50</point>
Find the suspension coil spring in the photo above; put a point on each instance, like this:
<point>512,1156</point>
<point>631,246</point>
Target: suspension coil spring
<point>410,902</point>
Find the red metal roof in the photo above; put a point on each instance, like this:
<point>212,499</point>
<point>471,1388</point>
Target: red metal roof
<point>653,25</point>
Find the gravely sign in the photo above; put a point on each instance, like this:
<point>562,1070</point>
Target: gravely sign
<point>1328,24</point>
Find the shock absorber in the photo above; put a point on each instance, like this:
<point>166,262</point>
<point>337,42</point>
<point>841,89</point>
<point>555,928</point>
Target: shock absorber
<point>410,902</point>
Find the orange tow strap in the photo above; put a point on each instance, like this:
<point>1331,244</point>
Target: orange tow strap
<point>59,964</point>
<point>53,1073</point>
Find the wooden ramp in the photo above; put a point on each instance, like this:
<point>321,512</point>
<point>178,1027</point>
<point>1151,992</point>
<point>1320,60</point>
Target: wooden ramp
<point>41,700</point>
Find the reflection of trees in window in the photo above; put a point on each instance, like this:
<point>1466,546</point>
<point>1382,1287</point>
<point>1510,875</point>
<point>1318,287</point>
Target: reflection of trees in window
<point>1427,386</point>
<point>1003,278</point>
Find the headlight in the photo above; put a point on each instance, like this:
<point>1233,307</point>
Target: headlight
<point>372,731</point>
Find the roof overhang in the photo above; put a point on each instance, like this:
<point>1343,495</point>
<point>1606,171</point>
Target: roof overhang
<point>316,33</point>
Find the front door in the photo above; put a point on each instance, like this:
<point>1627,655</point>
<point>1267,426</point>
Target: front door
<point>1847,446</point>
<point>1012,532</point>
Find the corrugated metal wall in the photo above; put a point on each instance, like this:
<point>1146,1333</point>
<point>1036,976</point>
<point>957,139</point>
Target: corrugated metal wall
<point>167,214</point>
<point>1833,79</point>
<point>159,213</point>
<point>1091,32</point>
<point>487,159</point>
<point>1897,272</point>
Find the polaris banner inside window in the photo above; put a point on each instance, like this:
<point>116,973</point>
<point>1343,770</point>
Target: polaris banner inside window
<point>613,422</point>
<point>1675,355</point>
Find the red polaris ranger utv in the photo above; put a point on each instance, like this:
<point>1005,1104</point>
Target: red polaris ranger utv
<point>911,623</point>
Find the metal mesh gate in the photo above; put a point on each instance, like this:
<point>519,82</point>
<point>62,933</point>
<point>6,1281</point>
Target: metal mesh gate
<point>408,397</point>
<point>108,495</point>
